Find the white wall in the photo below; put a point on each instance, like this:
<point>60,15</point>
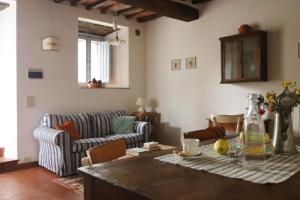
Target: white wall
<point>58,92</point>
<point>119,61</point>
<point>186,98</point>
<point>8,80</point>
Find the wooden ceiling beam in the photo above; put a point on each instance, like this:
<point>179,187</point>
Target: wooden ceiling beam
<point>199,1</point>
<point>137,14</point>
<point>76,2</point>
<point>108,8</point>
<point>148,18</point>
<point>58,1</point>
<point>166,8</point>
<point>121,11</point>
<point>95,5</point>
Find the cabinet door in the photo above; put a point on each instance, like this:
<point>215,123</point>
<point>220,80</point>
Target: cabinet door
<point>250,57</point>
<point>231,68</point>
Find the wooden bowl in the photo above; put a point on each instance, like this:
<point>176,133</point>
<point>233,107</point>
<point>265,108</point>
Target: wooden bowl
<point>94,85</point>
<point>245,28</point>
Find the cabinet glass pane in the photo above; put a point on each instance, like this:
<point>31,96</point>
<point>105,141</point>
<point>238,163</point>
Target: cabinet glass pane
<point>249,57</point>
<point>231,60</point>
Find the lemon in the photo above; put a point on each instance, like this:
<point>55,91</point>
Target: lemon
<point>221,146</point>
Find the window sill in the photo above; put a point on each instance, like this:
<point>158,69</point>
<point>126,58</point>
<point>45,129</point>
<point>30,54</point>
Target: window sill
<point>86,87</point>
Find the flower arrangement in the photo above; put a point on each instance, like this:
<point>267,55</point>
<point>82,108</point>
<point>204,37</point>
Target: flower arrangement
<point>289,87</point>
<point>262,105</point>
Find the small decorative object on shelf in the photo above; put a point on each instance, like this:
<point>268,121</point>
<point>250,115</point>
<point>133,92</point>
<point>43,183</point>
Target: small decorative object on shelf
<point>254,137</point>
<point>245,28</point>
<point>95,84</point>
<point>141,102</point>
<point>283,106</point>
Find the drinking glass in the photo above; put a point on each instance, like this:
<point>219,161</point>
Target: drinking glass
<point>234,153</point>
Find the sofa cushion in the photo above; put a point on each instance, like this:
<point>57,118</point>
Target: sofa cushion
<point>132,140</point>
<point>102,122</point>
<point>81,122</point>
<point>69,128</point>
<point>123,124</point>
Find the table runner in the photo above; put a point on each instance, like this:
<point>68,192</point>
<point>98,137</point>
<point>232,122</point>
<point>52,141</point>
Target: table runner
<point>278,168</point>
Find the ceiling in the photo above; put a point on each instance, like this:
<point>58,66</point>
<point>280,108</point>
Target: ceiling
<point>94,29</point>
<point>143,10</point>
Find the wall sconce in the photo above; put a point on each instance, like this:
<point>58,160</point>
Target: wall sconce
<point>50,43</point>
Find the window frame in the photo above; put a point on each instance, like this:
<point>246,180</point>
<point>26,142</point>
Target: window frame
<point>89,38</point>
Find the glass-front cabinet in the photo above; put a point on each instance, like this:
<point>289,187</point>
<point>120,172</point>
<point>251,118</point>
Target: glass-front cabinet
<point>244,57</point>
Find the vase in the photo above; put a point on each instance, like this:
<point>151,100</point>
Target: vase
<point>283,134</point>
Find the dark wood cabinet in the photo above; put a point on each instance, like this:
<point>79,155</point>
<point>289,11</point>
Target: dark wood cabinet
<point>152,117</point>
<point>244,57</point>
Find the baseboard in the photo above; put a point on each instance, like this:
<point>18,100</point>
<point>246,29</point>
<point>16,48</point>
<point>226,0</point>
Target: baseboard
<point>27,165</point>
<point>8,165</point>
<point>13,165</point>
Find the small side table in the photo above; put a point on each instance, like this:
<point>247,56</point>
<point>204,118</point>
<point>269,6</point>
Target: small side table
<point>152,117</point>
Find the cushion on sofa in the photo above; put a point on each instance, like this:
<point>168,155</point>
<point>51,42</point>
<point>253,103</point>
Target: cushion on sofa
<point>132,140</point>
<point>123,124</point>
<point>81,121</point>
<point>68,127</point>
<point>102,122</point>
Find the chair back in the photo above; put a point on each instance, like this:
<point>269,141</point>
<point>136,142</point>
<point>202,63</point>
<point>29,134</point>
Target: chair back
<point>206,134</point>
<point>107,151</point>
<point>229,122</point>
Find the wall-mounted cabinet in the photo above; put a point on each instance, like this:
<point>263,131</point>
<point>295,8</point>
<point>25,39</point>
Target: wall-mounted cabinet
<point>244,57</point>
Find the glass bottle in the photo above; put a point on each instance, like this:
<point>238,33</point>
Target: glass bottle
<point>253,137</point>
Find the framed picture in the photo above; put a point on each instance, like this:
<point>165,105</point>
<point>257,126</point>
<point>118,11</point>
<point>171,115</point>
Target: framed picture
<point>190,63</point>
<point>176,65</point>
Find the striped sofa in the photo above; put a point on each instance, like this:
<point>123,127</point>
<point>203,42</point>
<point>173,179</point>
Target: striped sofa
<point>58,153</point>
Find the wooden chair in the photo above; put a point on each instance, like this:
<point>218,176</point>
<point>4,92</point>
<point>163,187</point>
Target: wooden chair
<point>206,134</point>
<point>229,122</point>
<point>105,152</point>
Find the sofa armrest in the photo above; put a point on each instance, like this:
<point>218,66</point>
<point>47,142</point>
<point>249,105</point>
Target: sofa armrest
<point>55,150</point>
<point>143,128</point>
<point>50,135</point>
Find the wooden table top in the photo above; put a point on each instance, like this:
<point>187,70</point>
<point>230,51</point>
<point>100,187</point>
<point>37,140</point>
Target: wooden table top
<point>157,180</point>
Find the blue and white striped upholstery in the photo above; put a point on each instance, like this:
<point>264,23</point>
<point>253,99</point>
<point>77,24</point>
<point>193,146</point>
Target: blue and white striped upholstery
<point>81,122</point>
<point>133,140</point>
<point>54,153</point>
<point>58,153</point>
<point>102,122</point>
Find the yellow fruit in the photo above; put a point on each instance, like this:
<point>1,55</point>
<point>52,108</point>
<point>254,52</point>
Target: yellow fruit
<point>221,146</point>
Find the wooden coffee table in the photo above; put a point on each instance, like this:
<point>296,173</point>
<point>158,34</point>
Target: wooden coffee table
<point>142,177</point>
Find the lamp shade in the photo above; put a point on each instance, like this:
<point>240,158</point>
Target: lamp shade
<point>140,101</point>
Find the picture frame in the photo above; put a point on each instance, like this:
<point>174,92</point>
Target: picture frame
<point>176,65</point>
<point>191,63</point>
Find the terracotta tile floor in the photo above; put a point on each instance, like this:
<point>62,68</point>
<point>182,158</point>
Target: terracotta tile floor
<point>33,184</point>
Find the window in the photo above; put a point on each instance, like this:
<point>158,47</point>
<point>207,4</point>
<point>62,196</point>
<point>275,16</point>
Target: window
<point>94,59</point>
